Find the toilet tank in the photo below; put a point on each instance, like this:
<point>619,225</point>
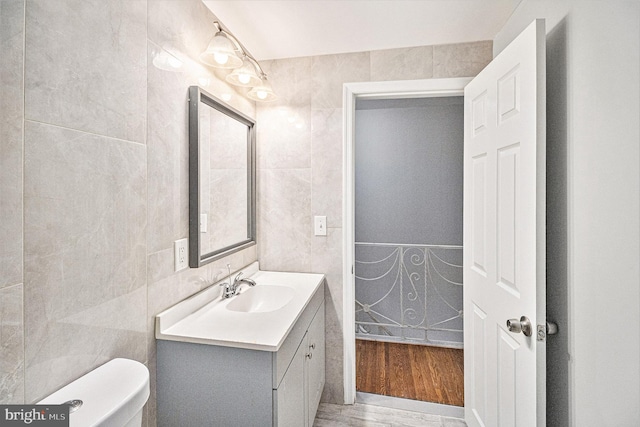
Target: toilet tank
<point>112,395</point>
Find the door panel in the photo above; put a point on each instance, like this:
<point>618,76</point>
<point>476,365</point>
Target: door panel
<point>507,353</point>
<point>477,400</point>
<point>507,201</point>
<point>509,94</point>
<point>504,229</point>
<point>478,213</point>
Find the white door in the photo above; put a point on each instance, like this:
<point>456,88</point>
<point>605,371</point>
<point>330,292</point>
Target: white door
<point>504,236</point>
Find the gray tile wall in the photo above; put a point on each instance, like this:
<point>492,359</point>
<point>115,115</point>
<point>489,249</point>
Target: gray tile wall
<point>94,183</point>
<point>11,149</point>
<point>300,160</point>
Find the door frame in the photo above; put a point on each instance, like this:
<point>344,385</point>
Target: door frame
<point>370,90</point>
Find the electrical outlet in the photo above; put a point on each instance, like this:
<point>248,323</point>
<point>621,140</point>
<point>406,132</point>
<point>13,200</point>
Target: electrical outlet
<point>181,254</point>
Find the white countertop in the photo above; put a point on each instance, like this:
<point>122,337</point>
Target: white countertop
<point>204,319</point>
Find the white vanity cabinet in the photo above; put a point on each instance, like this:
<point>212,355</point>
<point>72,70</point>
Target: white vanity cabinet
<point>315,367</point>
<point>298,394</point>
<point>202,383</point>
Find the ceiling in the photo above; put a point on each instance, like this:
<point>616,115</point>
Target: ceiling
<point>272,29</point>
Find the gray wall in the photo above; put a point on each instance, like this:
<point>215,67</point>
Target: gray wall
<point>94,182</point>
<point>408,171</point>
<point>593,207</point>
<point>11,167</point>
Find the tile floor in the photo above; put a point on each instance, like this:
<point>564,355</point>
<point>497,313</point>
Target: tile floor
<point>360,415</point>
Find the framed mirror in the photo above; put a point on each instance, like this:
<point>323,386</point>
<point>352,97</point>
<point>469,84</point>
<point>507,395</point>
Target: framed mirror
<point>222,184</point>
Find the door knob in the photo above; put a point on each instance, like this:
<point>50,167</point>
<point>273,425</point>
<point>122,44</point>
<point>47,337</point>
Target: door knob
<point>523,325</point>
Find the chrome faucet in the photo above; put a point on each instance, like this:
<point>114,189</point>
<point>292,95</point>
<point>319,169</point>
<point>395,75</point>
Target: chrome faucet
<point>230,288</point>
<point>238,281</point>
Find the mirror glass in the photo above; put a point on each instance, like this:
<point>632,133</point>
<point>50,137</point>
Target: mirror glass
<point>221,179</point>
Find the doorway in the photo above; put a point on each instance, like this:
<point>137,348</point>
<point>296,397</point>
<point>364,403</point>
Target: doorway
<point>414,267</point>
<point>408,249</point>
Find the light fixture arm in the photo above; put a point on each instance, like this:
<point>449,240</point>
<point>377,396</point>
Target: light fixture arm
<point>240,47</point>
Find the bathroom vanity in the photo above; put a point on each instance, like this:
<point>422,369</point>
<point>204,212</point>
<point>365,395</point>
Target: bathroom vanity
<point>254,359</point>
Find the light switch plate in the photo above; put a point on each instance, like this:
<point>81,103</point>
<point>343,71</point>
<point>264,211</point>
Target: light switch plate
<point>181,254</point>
<point>320,225</point>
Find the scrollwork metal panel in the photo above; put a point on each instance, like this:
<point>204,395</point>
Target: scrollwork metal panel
<point>409,293</point>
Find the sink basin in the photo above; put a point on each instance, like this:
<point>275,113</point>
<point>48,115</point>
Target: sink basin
<point>262,316</point>
<point>261,299</point>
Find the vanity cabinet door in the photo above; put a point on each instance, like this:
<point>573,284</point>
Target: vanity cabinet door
<point>291,394</point>
<point>298,394</point>
<point>315,364</point>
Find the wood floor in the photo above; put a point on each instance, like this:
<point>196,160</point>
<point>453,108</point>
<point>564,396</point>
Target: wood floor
<point>418,372</point>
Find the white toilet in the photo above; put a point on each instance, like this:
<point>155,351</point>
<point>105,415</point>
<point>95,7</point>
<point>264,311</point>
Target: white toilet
<point>112,395</point>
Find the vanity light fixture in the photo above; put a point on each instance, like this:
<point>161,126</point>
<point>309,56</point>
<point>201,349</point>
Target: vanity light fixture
<point>262,92</point>
<point>221,52</point>
<point>245,75</point>
<point>226,51</point>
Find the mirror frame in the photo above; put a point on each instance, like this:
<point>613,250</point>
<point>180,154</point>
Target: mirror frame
<point>196,258</point>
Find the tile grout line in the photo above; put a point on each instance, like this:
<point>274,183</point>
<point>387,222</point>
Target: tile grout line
<point>23,299</point>
<point>147,405</point>
<point>146,182</point>
<point>114,138</point>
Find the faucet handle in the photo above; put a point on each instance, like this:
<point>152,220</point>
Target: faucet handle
<point>226,290</point>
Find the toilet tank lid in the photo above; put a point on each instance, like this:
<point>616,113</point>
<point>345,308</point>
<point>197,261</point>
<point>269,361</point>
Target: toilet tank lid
<point>112,393</point>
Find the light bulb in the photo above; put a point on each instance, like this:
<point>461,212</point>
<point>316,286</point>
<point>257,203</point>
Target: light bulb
<point>261,94</point>
<point>244,78</point>
<point>221,58</point>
